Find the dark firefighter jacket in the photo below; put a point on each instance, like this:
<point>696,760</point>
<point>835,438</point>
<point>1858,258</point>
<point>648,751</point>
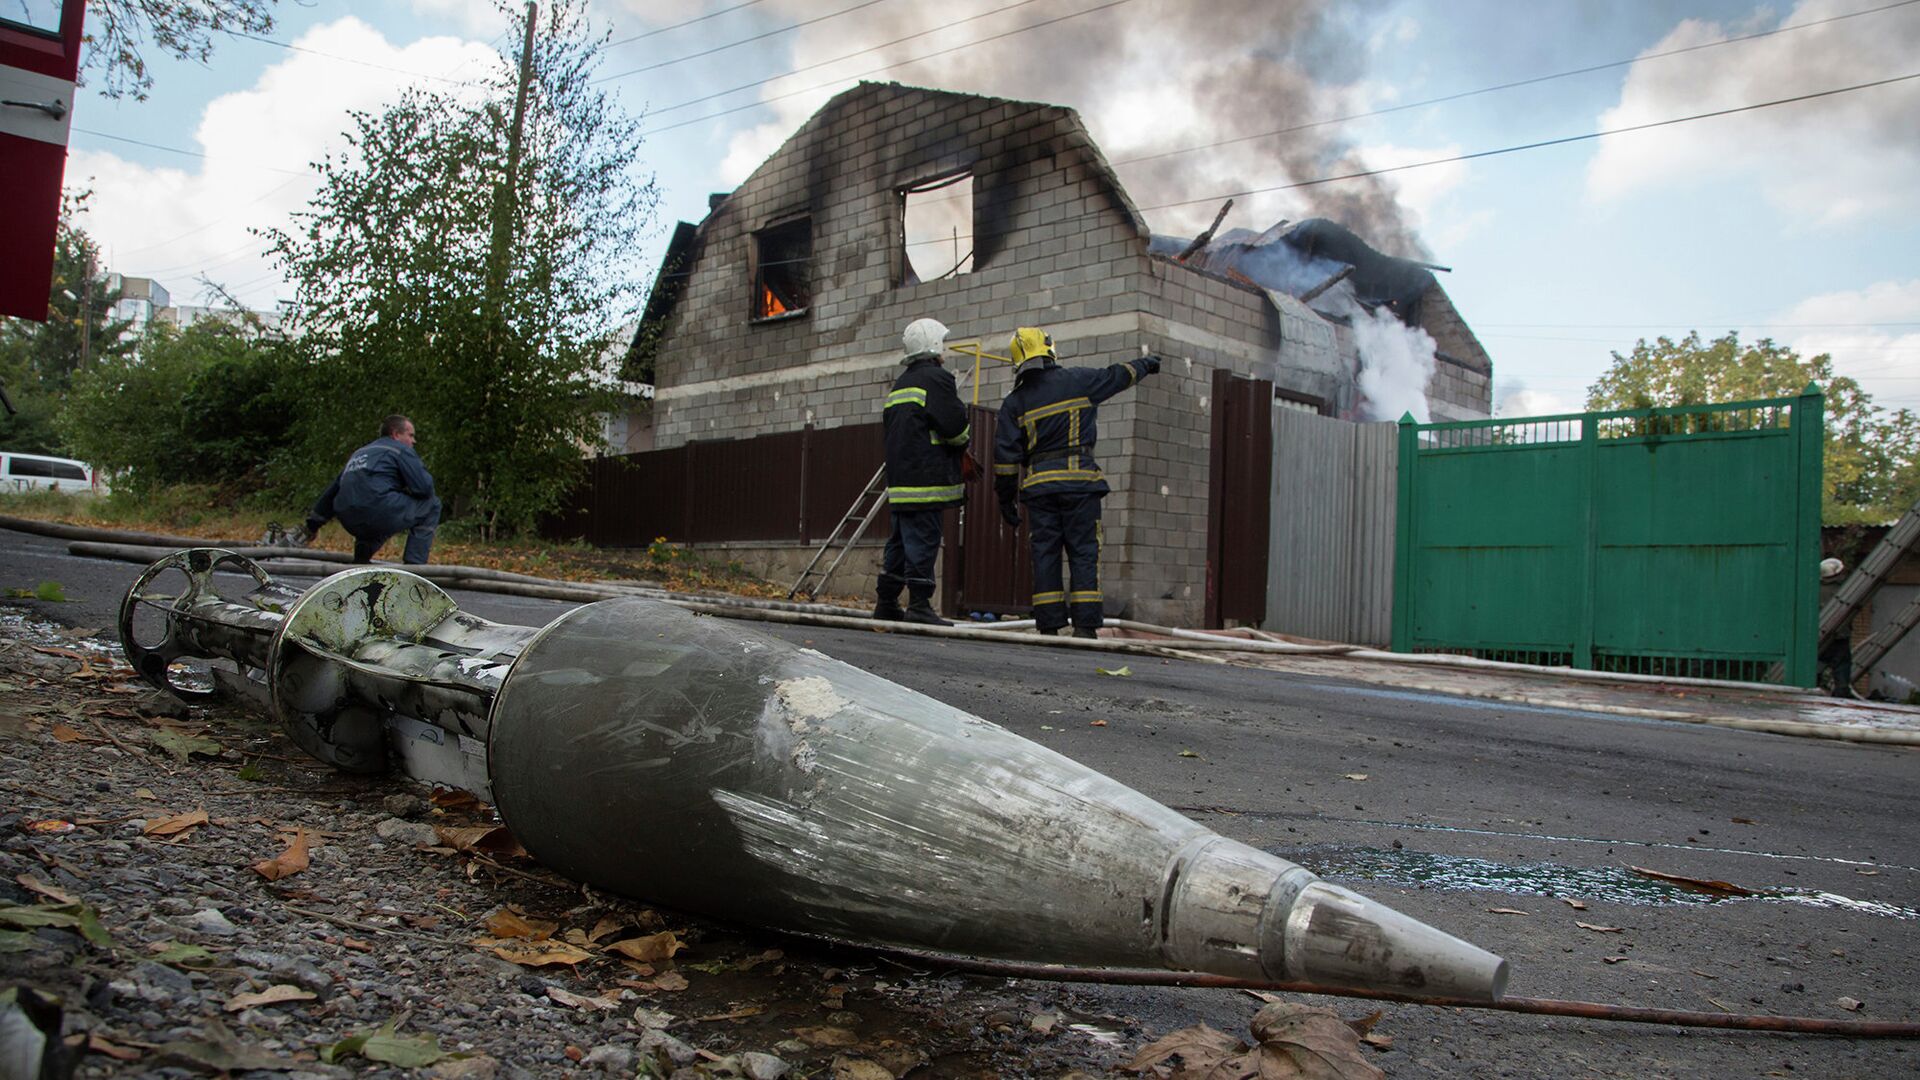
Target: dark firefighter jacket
<point>1044,440</point>
<point>927,431</point>
<point>378,491</point>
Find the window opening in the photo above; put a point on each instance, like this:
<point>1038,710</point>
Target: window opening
<point>783,269</point>
<point>937,228</point>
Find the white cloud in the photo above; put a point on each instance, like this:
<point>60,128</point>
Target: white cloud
<point>174,223</point>
<point>470,16</point>
<point>1873,335</point>
<point>1832,159</point>
<point>1513,398</point>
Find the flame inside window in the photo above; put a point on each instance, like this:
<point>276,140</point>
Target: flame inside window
<point>783,269</point>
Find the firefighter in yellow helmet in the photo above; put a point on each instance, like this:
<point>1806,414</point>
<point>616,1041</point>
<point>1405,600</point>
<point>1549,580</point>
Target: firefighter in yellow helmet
<point>927,432</point>
<point>1043,457</point>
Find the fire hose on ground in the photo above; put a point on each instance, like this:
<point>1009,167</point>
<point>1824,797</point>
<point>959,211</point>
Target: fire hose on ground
<point>1171,641</point>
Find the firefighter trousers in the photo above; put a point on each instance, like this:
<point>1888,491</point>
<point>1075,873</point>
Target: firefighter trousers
<point>1065,528</point>
<point>912,548</point>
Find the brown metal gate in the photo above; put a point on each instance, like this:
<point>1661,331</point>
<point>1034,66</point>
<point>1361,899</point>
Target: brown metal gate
<point>994,571</point>
<point>1239,497</point>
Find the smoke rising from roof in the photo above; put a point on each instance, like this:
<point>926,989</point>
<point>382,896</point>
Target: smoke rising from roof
<point>1148,77</point>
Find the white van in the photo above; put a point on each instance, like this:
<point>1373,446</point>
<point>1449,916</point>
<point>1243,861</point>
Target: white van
<point>38,472</point>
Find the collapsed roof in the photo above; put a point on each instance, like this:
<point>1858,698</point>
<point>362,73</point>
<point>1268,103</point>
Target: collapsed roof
<point>1303,258</point>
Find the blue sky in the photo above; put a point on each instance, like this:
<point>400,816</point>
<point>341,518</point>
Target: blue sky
<point>1796,222</point>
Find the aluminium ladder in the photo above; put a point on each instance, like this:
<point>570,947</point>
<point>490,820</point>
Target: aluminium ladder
<point>866,506</point>
<point>860,515</point>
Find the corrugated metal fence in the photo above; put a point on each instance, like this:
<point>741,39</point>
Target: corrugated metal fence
<point>1330,554</point>
<point>787,488</point>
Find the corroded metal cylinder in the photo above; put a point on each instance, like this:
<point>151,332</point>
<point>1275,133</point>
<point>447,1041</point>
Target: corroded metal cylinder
<point>699,763</point>
<point>695,762</point>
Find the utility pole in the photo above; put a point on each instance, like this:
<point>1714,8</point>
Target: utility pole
<point>506,196</point>
<point>86,313</point>
<point>506,200</point>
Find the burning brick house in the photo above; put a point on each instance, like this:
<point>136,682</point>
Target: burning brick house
<point>779,317</point>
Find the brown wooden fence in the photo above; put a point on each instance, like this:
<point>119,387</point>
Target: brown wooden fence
<point>786,488</point>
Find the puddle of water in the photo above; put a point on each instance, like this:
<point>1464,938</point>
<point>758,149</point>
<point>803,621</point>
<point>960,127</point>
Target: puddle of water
<point>1421,869</point>
<point>36,631</point>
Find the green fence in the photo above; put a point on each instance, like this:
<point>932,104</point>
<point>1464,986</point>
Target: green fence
<point>1658,541</point>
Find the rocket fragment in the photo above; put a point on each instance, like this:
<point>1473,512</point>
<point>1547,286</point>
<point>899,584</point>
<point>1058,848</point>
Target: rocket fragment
<point>695,762</point>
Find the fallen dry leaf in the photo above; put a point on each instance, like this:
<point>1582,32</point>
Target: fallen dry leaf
<point>287,863</point>
<point>1577,905</point>
<point>50,892</point>
<point>272,995</point>
<point>1612,959</point>
<point>826,1036</point>
<point>1378,1042</point>
<point>669,982</point>
<point>1600,929</point>
<point>1850,1004</point>
<point>1356,776</point>
<point>484,839</point>
<point>1043,1022</point>
<point>609,924</point>
<point>456,799</point>
<point>652,1018</point>
<point>1096,723</point>
<point>660,946</point>
<point>175,824</point>
<point>1508,911</point>
<point>98,1045</point>
<point>1366,1023</point>
<point>572,1000</point>
<point>63,733</point>
<point>1722,888</point>
<point>1293,1041</point>
<point>541,953</point>
<point>853,1068</point>
<point>510,924</point>
<point>1743,821</point>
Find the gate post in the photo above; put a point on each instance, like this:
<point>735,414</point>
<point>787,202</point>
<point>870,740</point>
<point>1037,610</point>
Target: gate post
<point>1589,542</point>
<point>1809,436</point>
<point>1403,535</point>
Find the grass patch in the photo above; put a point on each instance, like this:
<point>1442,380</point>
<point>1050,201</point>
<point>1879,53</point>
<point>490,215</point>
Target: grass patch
<point>206,513</point>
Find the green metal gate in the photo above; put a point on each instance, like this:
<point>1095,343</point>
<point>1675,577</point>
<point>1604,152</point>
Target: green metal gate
<point>1680,541</point>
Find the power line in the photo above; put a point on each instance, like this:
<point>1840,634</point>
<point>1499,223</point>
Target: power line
<point>689,22</point>
<point>343,59</point>
<point>1588,136</point>
<point>1513,85</point>
<point>188,153</point>
<point>855,53</point>
<point>889,67</point>
<point>742,41</point>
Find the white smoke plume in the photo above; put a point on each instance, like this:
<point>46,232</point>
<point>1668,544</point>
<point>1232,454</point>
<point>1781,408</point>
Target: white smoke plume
<point>1396,362</point>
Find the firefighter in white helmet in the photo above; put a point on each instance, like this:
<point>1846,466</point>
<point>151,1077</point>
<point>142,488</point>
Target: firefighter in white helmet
<point>1043,457</point>
<point>1836,656</point>
<point>927,433</point>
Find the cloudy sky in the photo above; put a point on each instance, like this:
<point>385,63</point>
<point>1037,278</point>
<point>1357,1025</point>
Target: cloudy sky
<point>1794,221</point>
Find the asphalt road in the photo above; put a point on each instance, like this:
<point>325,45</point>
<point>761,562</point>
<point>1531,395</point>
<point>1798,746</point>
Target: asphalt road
<point>1466,806</point>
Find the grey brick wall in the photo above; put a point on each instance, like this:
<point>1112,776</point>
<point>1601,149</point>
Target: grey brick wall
<point>1069,254</point>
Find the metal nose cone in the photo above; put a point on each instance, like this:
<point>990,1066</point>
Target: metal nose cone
<point>1336,937</point>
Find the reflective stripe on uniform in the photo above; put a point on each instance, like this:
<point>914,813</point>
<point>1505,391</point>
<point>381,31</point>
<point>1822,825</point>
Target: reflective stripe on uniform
<point>1054,475</point>
<point>913,395</point>
<point>1093,597</point>
<point>1055,409</point>
<point>1006,470</point>
<point>958,440</point>
<point>943,493</point>
<point>1041,599</point>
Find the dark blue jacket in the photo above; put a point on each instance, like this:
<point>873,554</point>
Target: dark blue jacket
<point>379,491</point>
<point>927,431</point>
<point>1044,440</point>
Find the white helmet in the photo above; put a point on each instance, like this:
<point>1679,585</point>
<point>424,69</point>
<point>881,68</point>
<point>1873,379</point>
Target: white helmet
<point>924,337</point>
<point>1831,568</point>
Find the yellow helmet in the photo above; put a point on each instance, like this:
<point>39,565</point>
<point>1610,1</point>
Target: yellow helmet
<point>1031,349</point>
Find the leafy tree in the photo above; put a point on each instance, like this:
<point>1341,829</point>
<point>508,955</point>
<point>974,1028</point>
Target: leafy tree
<point>433,279</point>
<point>207,404</point>
<point>1871,457</point>
<point>117,30</point>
